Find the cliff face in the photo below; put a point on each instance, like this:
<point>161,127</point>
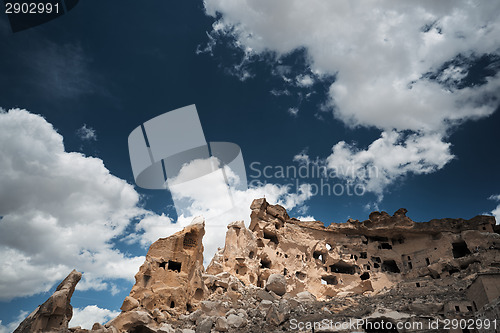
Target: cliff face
<point>281,271</point>
<point>355,257</point>
<point>169,282</point>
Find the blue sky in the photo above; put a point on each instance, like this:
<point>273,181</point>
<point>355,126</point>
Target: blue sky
<point>409,91</point>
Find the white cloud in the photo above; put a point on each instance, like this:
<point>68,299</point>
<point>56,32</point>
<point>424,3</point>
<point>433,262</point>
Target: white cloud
<point>208,196</point>
<point>86,133</point>
<point>304,80</point>
<point>398,67</point>
<point>10,327</point>
<point>307,218</point>
<point>91,314</point>
<point>389,158</point>
<point>377,51</point>
<point>293,111</point>
<point>496,212</point>
<point>60,210</point>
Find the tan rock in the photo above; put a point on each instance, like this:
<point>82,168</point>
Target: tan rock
<point>55,314</point>
<point>129,303</point>
<point>170,281</point>
<point>171,277</point>
<point>354,257</point>
<point>277,284</point>
<point>221,325</point>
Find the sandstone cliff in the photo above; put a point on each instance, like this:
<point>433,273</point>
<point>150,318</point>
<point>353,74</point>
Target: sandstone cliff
<point>280,271</point>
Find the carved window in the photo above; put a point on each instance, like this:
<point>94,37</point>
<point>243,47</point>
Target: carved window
<point>174,266</point>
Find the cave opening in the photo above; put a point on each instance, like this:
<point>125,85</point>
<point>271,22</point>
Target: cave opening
<point>265,263</point>
<point>300,275</point>
<point>198,294</point>
<point>140,329</point>
<point>272,237</point>
<point>330,279</point>
<point>343,268</point>
<point>365,276</point>
<point>174,266</point>
<point>390,266</point>
<point>460,249</point>
<point>320,256</point>
<point>385,246</point>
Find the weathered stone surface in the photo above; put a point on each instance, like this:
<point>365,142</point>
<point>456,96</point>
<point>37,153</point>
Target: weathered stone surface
<point>171,277</point>
<point>236,321</point>
<point>165,328</point>
<point>385,268</point>
<point>133,319</point>
<point>169,282</point>
<point>129,303</point>
<point>353,257</point>
<point>221,324</point>
<point>277,284</point>
<point>306,296</point>
<point>55,314</point>
<point>264,295</point>
<point>274,316</point>
<point>205,325</point>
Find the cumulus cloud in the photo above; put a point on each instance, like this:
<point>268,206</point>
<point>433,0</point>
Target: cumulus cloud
<point>87,316</point>
<point>496,212</point>
<point>86,133</point>
<point>388,158</point>
<point>60,210</point>
<point>400,67</point>
<point>304,81</point>
<point>380,52</point>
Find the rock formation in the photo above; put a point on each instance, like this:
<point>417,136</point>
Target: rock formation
<point>169,282</point>
<point>354,257</point>
<point>55,314</point>
<point>282,274</point>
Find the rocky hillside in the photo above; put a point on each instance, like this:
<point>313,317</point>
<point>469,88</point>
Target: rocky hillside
<point>385,274</point>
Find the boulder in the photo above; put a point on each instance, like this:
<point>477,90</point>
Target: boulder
<point>277,284</point>
<point>221,324</point>
<point>129,303</point>
<point>236,321</point>
<point>205,326</point>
